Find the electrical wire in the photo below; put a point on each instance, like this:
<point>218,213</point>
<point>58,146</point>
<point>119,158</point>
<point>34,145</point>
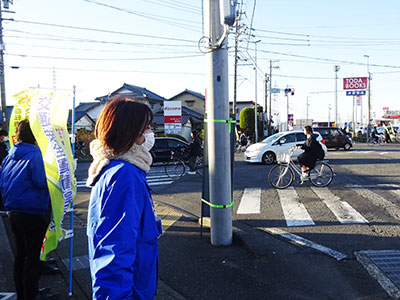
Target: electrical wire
<point>158,18</point>
<point>105,31</point>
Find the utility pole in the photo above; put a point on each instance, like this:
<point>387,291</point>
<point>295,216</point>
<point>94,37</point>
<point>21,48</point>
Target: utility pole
<point>287,107</point>
<point>265,103</point>
<point>270,94</point>
<point>337,68</point>
<point>307,105</point>
<point>369,98</point>
<point>2,81</point>
<point>255,94</point>
<point>218,127</point>
<point>236,63</point>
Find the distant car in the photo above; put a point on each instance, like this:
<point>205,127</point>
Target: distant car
<point>161,151</point>
<point>278,144</point>
<point>334,137</point>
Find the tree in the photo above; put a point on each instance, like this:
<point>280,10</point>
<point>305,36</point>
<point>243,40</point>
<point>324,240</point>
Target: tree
<point>247,120</point>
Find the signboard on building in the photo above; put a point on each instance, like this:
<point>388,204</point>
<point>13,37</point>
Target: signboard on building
<point>172,117</point>
<point>355,93</point>
<point>355,83</point>
<point>391,114</point>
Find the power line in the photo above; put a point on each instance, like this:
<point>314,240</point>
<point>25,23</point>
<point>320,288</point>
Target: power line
<point>152,17</point>
<point>104,59</point>
<point>106,31</point>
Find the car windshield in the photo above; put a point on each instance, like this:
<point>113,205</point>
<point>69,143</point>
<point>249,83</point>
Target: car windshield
<point>272,138</point>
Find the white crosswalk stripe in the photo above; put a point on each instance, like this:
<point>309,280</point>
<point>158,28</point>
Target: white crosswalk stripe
<point>250,203</point>
<point>295,212</point>
<point>343,211</point>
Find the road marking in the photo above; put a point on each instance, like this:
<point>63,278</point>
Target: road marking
<point>250,202</point>
<point>391,208</point>
<point>343,211</point>
<point>396,188</point>
<point>304,242</point>
<point>295,212</point>
<point>383,153</point>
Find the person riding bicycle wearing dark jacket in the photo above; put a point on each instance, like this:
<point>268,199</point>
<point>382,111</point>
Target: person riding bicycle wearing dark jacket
<point>194,150</point>
<point>310,155</point>
<point>374,134</point>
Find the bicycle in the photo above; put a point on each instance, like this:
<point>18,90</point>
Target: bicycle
<point>282,175</point>
<point>371,141</point>
<point>176,167</point>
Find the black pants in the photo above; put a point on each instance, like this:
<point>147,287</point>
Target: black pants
<point>192,163</point>
<point>29,231</point>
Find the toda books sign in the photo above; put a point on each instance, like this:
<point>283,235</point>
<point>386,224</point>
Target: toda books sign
<point>172,117</point>
<point>355,83</point>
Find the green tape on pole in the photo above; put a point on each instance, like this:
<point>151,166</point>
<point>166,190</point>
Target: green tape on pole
<point>230,121</point>
<point>216,205</point>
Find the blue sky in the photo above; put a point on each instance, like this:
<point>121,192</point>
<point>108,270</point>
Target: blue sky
<point>154,44</point>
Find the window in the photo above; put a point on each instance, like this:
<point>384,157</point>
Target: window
<point>300,137</point>
<point>174,144</point>
<point>290,138</point>
<point>189,103</point>
<point>335,132</point>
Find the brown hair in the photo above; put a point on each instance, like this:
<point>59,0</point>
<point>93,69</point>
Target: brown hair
<point>24,132</point>
<point>121,122</point>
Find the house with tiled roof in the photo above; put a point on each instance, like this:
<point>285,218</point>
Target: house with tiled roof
<point>192,100</point>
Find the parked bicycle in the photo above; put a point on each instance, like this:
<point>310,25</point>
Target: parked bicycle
<point>282,175</point>
<point>176,167</point>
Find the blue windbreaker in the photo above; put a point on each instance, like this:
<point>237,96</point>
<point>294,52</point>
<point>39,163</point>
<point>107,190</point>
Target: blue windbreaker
<point>23,180</point>
<point>122,234</point>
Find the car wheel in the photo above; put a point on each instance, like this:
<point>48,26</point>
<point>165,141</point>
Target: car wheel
<point>269,158</point>
<point>347,147</point>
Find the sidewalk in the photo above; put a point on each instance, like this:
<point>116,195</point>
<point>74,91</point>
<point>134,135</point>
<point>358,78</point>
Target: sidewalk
<point>256,266</point>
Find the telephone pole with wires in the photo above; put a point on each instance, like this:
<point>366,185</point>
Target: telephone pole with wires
<point>6,5</point>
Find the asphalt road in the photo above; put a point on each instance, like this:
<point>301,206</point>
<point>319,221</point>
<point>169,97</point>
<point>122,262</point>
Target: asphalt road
<point>359,211</point>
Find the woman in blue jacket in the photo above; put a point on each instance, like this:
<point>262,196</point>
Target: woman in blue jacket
<point>123,226</point>
<point>25,193</point>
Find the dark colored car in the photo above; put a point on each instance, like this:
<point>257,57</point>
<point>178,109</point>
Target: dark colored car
<point>161,151</point>
<point>335,138</point>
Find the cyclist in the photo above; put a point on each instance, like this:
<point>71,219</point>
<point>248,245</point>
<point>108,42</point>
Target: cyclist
<point>374,135</point>
<point>194,150</point>
<point>310,155</point>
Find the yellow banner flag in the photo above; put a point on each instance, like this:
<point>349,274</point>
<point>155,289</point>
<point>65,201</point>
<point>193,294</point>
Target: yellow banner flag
<point>48,116</point>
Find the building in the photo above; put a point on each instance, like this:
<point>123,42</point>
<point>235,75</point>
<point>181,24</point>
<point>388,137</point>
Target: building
<point>192,100</point>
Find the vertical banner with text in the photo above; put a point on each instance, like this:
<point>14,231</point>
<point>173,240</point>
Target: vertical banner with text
<point>48,115</point>
<point>172,117</point>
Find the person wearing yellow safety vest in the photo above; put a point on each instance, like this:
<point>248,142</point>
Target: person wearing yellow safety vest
<point>387,134</point>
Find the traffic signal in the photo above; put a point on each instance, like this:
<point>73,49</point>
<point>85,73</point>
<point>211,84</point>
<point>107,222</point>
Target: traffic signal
<point>292,91</point>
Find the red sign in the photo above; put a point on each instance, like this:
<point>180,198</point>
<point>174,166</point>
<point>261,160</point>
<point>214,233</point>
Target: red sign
<point>172,119</point>
<point>355,83</point>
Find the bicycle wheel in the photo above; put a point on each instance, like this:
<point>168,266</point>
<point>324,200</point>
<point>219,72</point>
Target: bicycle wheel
<point>280,176</point>
<point>371,142</point>
<point>199,165</point>
<point>321,175</point>
<point>175,169</point>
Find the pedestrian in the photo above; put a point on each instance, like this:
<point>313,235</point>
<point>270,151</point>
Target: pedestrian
<point>194,150</point>
<point>123,226</point>
<point>26,196</point>
<point>243,140</point>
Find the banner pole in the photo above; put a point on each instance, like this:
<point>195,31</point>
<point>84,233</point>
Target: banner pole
<point>72,202</point>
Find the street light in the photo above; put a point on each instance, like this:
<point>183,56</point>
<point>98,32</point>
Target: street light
<point>337,68</point>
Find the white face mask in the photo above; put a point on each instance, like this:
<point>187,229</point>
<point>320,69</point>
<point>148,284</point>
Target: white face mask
<point>149,141</point>
<point>5,139</point>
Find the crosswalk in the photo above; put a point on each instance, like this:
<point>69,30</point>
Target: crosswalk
<point>156,176</point>
<point>294,208</point>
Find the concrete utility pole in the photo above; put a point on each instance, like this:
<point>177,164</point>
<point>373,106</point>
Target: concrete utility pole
<point>337,68</point>
<point>218,128</point>
<point>307,105</point>
<point>255,94</point>
<point>2,82</point>
<point>369,98</point>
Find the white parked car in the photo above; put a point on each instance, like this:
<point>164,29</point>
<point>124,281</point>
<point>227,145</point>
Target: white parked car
<point>278,144</point>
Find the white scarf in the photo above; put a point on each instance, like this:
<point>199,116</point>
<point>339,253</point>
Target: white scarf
<point>136,155</point>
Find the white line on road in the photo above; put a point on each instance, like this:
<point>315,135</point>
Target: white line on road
<point>343,211</point>
<point>391,208</point>
<point>383,153</point>
<point>294,211</point>
<point>250,203</point>
<point>396,187</point>
<point>304,242</point>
